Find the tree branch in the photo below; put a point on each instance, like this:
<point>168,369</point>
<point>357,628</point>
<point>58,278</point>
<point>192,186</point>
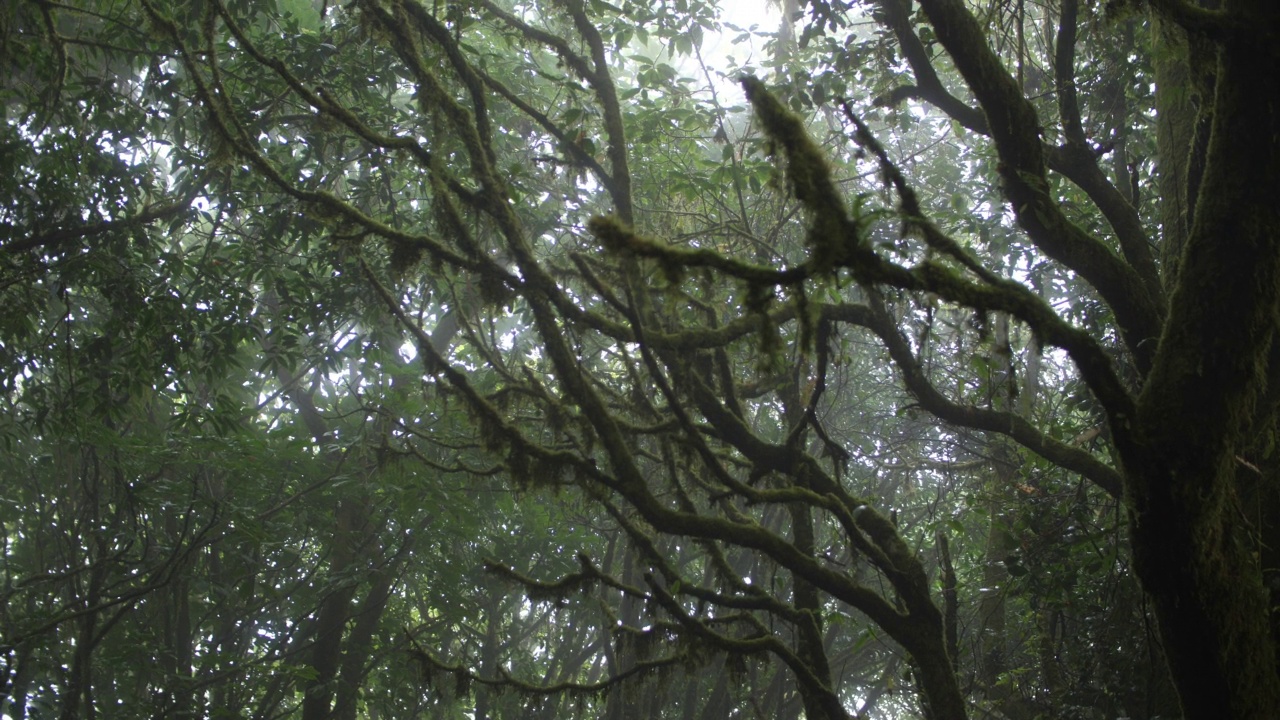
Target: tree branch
<point>838,236</point>
<point>1015,129</point>
<point>928,85</point>
<point>1079,164</point>
<point>1013,426</point>
<point>1219,25</point>
<point>57,238</point>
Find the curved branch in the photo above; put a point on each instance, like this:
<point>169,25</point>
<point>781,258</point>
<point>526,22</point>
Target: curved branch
<point>809,681</point>
<point>1219,25</point>
<point>607,92</point>
<point>428,665</point>
<point>229,130</point>
<point>319,99</point>
<point>836,236</point>
<point>750,597</point>
<point>619,238</point>
<point>472,126</point>
<point>1075,161</point>
<point>599,79</point>
<point>928,85</point>
<point>1079,164</point>
<point>579,155</point>
<point>1015,129</point>
<point>629,481</point>
<point>1013,426</point>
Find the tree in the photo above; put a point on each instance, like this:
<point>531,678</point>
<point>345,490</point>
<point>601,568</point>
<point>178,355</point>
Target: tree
<point>677,314</point>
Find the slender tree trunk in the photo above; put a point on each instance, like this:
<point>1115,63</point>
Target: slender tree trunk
<point>717,705</point>
<point>992,642</point>
<point>22,673</point>
<point>621,700</point>
<point>359,644</point>
<point>176,662</point>
<point>489,652</point>
<point>334,613</point>
<point>1184,80</point>
<point>697,707</point>
<point>820,703</point>
<point>77,700</point>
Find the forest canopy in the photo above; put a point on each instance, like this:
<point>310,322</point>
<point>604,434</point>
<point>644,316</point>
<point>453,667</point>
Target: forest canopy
<point>639,359</point>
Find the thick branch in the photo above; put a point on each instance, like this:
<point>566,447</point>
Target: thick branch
<point>928,85</point>
<point>596,74</point>
<point>1075,161</point>
<point>1015,129</point>
<point>836,239</point>
<point>1219,25</point>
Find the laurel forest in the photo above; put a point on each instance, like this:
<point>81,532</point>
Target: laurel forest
<point>543,359</point>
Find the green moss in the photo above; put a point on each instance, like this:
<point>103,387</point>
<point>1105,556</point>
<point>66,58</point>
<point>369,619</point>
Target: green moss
<point>834,234</point>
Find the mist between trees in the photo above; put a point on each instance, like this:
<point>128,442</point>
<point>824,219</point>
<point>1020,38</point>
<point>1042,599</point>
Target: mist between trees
<point>497,360</point>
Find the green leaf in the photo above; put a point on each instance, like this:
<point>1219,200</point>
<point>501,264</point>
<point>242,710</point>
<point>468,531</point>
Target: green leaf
<point>304,12</point>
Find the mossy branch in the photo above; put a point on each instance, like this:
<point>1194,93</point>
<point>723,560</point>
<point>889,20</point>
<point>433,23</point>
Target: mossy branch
<point>834,239</point>
<point>429,666</point>
<point>616,236</point>
<point>835,236</point>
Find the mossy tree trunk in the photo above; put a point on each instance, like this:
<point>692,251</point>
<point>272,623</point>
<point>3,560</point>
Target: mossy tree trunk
<point>1202,356</point>
<point>1181,457</point>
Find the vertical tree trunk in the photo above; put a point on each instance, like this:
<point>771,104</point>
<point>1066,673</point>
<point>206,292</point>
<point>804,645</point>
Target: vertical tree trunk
<point>820,703</point>
<point>77,699</point>
<point>992,642</point>
<point>356,654</point>
<point>334,613</point>
<point>1191,550</point>
<point>176,662</point>
<point>489,651</point>
<point>22,673</point>
<point>1180,95</point>
<point>621,700</point>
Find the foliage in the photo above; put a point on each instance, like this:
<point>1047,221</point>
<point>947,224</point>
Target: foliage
<point>500,359</point>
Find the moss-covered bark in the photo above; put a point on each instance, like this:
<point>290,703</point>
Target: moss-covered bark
<point>1175,122</point>
<point>1181,443</point>
<point>1192,548</point>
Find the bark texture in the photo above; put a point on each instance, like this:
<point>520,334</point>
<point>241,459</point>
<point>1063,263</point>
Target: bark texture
<point>1193,551</point>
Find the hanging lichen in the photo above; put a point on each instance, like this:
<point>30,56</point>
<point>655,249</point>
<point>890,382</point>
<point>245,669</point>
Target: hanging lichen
<point>833,235</point>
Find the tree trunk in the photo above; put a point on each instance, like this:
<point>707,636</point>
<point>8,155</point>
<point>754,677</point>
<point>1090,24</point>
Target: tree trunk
<point>359,644</point>
<point>819,702</point>
<point>20,672</point>
<point>335,610</point>
<point>1175,123</point>
<point>992,641</point>
<point>1192,552</point>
